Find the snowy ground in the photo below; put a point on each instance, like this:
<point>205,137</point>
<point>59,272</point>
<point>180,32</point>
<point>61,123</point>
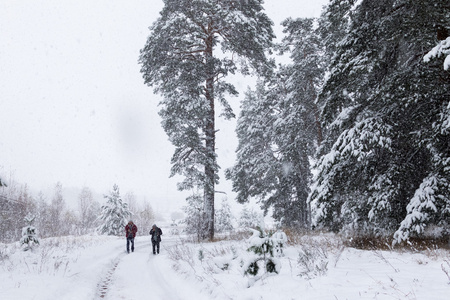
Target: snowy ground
<point>97,267</point>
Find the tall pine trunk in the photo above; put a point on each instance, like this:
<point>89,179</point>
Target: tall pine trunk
<point>178,61</point>
<point>210,141</point>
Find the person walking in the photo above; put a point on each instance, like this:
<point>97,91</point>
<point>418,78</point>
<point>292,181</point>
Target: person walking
<point>156,233</point>
<point>130,231</point>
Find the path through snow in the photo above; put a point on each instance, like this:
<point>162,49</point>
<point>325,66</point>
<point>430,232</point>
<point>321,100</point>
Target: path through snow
<point>92,268</point>
<point>141,275</point>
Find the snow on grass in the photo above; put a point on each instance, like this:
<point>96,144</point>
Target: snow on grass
<point>60,268</point>
<point>316,267</point>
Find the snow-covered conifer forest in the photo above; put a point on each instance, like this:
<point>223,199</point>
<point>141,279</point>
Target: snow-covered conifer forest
<point>341,174</point>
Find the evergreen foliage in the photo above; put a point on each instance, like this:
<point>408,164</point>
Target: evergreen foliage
<point>263,246</point>
<point>56,213</point>
<point>223,217</point>
<point>115,214</point>
<point>194,219</point>
<point>17,202</point>
<point>88,211</point>
<point>249,218</point>
<point>179,61</point>
<point>278,130</point>
<point>384,162</point>
<point>29,234</point>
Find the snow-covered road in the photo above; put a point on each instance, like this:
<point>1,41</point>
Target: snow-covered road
<point>74,268</point>
<point>141,274</point>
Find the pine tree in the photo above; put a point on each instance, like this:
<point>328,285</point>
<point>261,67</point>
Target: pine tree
<point>384,149</point>
<point>249,218</point>
<point>88,211</point>
<point>115,214</point>
<point>278,130</point>
<point>29,234</point>
<point>144,217</point>
<point>180,61</point>
<point>194,220</point>
<point>223,217</point>
<point>57,210</point>
<point>43,221</point>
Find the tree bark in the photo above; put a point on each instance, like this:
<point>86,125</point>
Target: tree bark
<point>210,141</point>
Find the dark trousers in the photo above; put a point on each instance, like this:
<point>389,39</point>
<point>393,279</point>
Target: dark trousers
<point>155,245</point>
<point>130,240</point>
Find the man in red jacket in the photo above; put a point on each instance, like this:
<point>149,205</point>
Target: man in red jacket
<point>130,231</point>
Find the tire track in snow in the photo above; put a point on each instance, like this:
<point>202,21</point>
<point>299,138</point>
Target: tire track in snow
<point>142,274</point>
<point>106,280</point>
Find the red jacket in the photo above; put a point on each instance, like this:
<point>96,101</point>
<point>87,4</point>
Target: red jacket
<point>130,228</point>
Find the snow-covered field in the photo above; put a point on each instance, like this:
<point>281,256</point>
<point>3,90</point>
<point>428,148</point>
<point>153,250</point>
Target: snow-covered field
<point>97,267</point>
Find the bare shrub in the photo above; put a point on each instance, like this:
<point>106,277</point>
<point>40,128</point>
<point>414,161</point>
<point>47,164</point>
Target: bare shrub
<point>313,261</point>
<point>295,235</point>
<point>368,242</point>
<point>445,266</point>
<point>181,252</point>
<point>371,241</point>
<point>3,254</point>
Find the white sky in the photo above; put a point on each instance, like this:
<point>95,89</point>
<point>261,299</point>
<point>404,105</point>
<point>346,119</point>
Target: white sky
<point>73,105</point>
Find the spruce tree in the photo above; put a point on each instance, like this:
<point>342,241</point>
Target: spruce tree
<point>194,216</point>
<point>278,130</point>
<point>115,214</point>
<point>29,234</point>
<point>88,211</point>
<point>263,246</point>
<point>181,60</point>
<point>57,210</point>
<point>384,149</point>
<point>249,218</point>
<point>223,217</point>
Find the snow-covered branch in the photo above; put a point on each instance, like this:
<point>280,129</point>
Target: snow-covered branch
<point>443,48</point>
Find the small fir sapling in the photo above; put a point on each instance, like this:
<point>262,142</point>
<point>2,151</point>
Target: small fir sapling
<point>279,238</point>
<point>201,255</point>
<point>262,245</point>
<point>29,234</point>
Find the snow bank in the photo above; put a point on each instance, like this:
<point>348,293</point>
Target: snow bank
<point>74,267</point>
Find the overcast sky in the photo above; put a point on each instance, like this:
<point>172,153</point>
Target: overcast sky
<point>73,105</point>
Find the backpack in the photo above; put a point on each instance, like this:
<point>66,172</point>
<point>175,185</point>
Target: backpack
<point>156,237</point>
<point>130,232</point>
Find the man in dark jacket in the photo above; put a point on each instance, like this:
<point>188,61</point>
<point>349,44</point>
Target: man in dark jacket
<point>130,231</point>
<point>156,233</point>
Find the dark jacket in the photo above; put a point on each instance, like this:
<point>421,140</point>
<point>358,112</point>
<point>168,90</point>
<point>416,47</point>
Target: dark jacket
<point>131,228</point>
<point>156,234</point>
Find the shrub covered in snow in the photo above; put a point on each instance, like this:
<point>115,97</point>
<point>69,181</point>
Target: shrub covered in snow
<point>313,261</point>
<point>262,245</point>
<point>29,234</point>
<point>280,239</point>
